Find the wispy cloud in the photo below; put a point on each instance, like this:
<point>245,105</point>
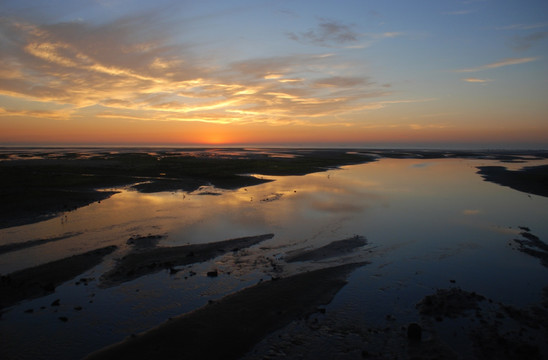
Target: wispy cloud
<point>341,81</point>
<point>48,114</point>
<point>523,26</point>
<point>459,12</point>
<point>376,105</point>
<point>367,40</point>
<point>107,71</point>
<point>328,33</point>
<point>522,43</point>
<point>504,62</point>
<point>477,80</point>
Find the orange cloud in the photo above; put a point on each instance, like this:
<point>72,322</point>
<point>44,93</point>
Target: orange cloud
<point>477,80</point>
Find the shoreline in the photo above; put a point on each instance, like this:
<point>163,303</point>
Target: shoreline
<point>38,189</point>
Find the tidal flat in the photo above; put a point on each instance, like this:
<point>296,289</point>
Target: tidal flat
<point>273,253</point>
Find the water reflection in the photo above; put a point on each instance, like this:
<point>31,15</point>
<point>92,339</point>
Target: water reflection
<point>390,195</point>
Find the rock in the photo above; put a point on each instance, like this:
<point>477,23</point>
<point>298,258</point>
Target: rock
<point>49,287</point>
<point>213,273</point>
<point>63,318</point>
<point>414,332</point>
<point>56,302</point>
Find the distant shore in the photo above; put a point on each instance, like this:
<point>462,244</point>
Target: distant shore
<point>42,183</point>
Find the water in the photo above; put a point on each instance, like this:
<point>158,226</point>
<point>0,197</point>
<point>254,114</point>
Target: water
<point>429,223</point>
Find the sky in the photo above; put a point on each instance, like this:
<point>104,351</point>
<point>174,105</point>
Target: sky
<point>367,73</point>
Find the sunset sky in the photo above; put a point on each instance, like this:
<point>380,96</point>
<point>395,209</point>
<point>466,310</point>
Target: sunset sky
<point>437,73</point>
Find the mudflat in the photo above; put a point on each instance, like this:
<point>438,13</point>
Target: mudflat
<point>253,320</point>
<point>229,327</point>
<point>532,180</point>
<point>333,249</point>
<point>141,262</point>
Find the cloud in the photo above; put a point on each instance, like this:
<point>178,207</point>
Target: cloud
<point>522,43</point>
<point>75,63</point>
<point>504,62</point>
<point>382,104</point>
<point>523,26</point>
<point>341,81</point>
<point>328,33</point>
<point>124,70</point>
<point>48,114</point>
<point>477,80</point>
<point>459,12</point>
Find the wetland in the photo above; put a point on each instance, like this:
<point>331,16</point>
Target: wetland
<point>241,253</point>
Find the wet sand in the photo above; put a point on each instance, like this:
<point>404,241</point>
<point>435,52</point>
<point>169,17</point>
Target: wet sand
<point>228,328</point>
<point>28,244</point>
<point>142,262</point>
<point>495,330</point>
<point>43,279</point>
<point>333,249</point>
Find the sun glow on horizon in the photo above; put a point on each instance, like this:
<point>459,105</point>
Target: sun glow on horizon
<point>113,74</point>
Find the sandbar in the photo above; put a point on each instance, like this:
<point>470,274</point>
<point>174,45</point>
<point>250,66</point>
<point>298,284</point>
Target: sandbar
<point>151,260</point>
<point>43,279</point>
<point>333,249</point>
<point>228,328</point>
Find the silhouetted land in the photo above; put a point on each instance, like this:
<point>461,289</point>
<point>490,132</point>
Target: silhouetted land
<point>532,180</point>
<point>36,189</point>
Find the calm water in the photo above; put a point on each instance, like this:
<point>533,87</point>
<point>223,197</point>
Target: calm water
<point>427,222</point>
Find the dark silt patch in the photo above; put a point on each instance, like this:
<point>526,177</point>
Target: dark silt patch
<point>144,242</point>
<point>451,303</point>
<point>531,180</point>
<point>530,244</point>
<point>231,326</point>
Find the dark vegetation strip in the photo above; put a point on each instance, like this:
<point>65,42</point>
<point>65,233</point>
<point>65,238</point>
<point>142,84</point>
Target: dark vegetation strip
<point>228,328</point>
